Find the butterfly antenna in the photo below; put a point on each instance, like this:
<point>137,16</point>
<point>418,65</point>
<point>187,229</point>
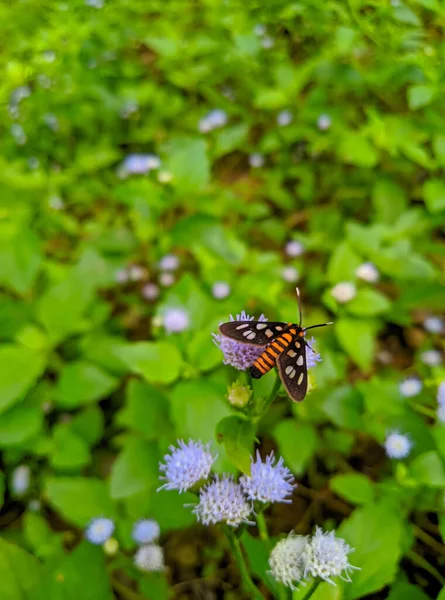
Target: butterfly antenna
<point>299,305</point>
<point>320,325</point>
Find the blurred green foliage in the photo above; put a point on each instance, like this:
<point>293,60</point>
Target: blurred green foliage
<point>93,389</point>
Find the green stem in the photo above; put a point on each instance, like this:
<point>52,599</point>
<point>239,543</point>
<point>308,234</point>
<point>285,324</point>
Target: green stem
<point>235,547</point>
<point>312,589</point>
<point>262,526</point>
<point>124,591</point>
<point>273,393</point>
<point>424,564</point>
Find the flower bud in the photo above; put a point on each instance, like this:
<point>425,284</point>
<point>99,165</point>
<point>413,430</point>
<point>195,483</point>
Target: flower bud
<point>238,394</point>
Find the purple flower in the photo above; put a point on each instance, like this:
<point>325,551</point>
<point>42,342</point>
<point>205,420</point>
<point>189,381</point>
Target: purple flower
<point>312,358</point>
<point>186,465</point>
<point>236,354</point>
<point>99,530</point>
<point>145,531</point>
<point>441,393</point>
<point>222,501</point>
<point>268,482</point>
<point>139,164</point>
<point>176,320</point>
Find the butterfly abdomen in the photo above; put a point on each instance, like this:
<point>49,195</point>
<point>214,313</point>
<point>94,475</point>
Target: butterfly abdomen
<point>267,360</point>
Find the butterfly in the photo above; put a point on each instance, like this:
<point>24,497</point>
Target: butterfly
<point>285,348</point>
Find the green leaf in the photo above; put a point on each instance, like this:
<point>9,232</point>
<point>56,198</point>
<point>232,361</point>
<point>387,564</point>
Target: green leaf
<point>20,258</point>
<point>298,442</point>
<point>405,591</point>
<point>69,452</point>
<point>230,138</point>
<point>19,369</point>
<point>434,195</point>
<point>2,489</point>
<point>389,200</point>
<point>88,424</point>
<point>19,424</point>
<point>368,303</point>
<point>354,487</point>
<point>343,263</point>
<point>20,572</point>
<point>79,499</point>
<point>157,362</point>
<point>135,470</point>
<point>146,410</point>
<point>357,338</point>
<point>420,95</point>
<point>81,382</point>
<point>343,406</point>
<point>189,164</point>
<point>43,541</point>
<point>357,150</point>
<point>428,469</point>
<point>441,595</point>
<point>237,434</point>
<point>376,532</point>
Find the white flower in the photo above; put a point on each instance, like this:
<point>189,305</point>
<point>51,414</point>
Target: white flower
<point>176,320</point>
<point>215,119</point>
<point>284,118</point>
<point>186,465</point>
<point>441,393</point>
<point>259,29</point>
<point>222,501</point>
<point>324,122</point>
<point>397,445</point>
<point>441,412</point>
<point>20,480</point>
<point>434,324</point>
<point>326,556</point>
<point>149,558</point>
<point>169,262</point>
<point>267,42</point>
<point>56,202</point>
<point>410,387</point>
<point>256,160</point>
<point>136,273</point>
<point>286,560</point>
<point>99,530</point>
<point>290,274</point>
<point>368,272</point>
<point>344,292</point>
<point>220,290</point>
<point>432,358</point>
<point>150,291</point>
<point>145,531</point>
<point>294,248</point>
<point>166,279</point>
<point>122,276</point>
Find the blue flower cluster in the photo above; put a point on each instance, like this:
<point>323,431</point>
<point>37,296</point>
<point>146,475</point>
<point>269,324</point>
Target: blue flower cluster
<point>223,500</point>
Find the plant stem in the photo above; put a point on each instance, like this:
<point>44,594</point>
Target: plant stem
<point>235,547</point>
<point>262,526</point>
<point>124,591</point>
<point>424,564</point>
<point>273,393</point>
<point>312,589</point>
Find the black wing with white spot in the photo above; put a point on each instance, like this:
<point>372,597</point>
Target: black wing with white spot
<point>292,369</point>
<point>255,333</point>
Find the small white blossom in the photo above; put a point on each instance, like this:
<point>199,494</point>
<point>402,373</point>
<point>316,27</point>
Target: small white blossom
<point>256,160</point>
<point>145,531</point>
<point>267,42</point>
<point>294,248</point>
<point>150,291</point>
<point>139,164</point>
<point>122,276</point>
<point>165,177</point>
<point>95,3</point>
<point>434,324</point>
<point>259,29</point>
<point>176,320</point>
<point>411,386</point>
<point>441,393</point>
<point>99,530</point>
<point>220,290</point>
<point>397,445</point>
<point>344,292</point>
<point>441,412</point>
<point>19,134</point>
<point>284,118</point>
<point>49,56</point>
<point>324,122</point>
<point>20,480</point>
<point>432,358</point>
<point>222,501</point>
<point>368,272</point>
<point>136,273</point>
<point>166,279</point>
<point>149,558</point>
<point>290,274</point>
<point>186,465</point>
<point>215,119</point>
<point>169,262</point>
<point>56,202</point>
<point>326,556</point>
<point>286,560</point>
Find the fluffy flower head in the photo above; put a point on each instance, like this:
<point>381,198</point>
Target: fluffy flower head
<point>145,531</point>
<point>434,324</point>
<point>186,465</point>
<point>324,122</point>
<point>397,445</point>
<point>269,481</point>
<point>20,480</point>
<point>410,387</point>
<point>169,262</point>
<point>256,160</point>
<point>368,272</point>
<point>236,354</point>
<point>176,320</point>
<point>99,530</point>
<point>139,164</point>
<point>441,393</point>
<point>344,292</point>
<point>215,119</point>
<point>286,560</point>
<point>220,290</point>
<point>222,501</point>
<point>150,291</point>
<point>312,357</point>
<point>432,358</point>
<point>149,558</point>
<point>326,556</point>
<point>284,118</point>
<point>290,274</point>
<point>294,248</point>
